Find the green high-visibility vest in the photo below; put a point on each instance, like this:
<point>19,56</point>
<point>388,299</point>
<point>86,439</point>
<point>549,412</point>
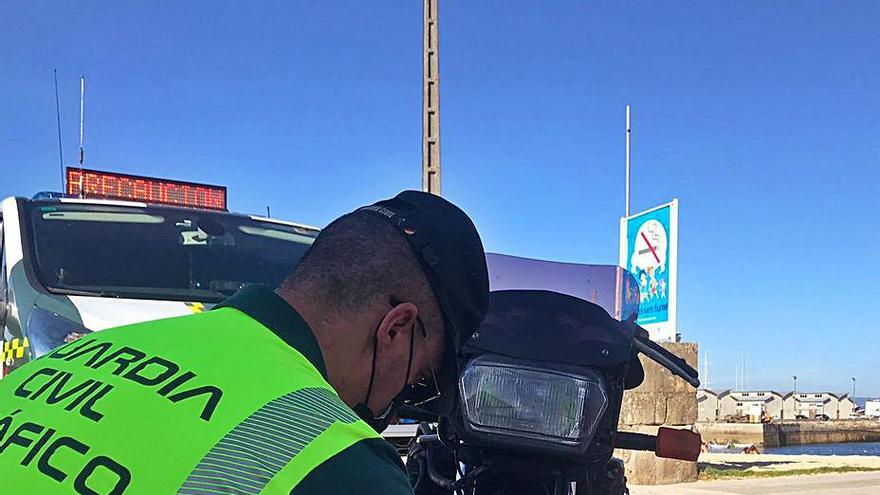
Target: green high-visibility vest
<point>212,403</point>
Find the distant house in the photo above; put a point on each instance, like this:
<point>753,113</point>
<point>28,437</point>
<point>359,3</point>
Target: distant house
<point>707,406</point>
<point>751,404</point>
<point>872,408</point>
<point>812,404</point>
<point>846,407</point>
<point>720,406</point>
<point>730,404</point>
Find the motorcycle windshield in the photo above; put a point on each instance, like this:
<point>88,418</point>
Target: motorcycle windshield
<point>608,286</point>
<point>540,325</point>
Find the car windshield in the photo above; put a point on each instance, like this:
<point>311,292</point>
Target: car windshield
<point>158,253</point>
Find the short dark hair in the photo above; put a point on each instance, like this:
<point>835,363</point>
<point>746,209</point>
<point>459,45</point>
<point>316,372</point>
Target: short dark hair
<point>357,258</point>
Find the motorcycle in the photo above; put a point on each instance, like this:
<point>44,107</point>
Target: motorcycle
<point>540,394</point>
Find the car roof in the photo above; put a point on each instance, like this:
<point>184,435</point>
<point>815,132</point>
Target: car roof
<point>138,204</point>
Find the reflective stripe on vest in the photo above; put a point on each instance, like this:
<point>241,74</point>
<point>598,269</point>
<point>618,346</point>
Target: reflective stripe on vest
<point>202,404</point>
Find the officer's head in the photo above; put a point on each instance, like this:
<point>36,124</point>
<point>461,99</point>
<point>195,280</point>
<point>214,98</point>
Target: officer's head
<point>391,291</point>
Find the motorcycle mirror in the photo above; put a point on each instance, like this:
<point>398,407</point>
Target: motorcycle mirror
<point>684,445</point>
<point>635,373</point>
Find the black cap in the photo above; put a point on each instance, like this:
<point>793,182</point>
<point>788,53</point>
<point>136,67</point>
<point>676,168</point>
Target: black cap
<point>451,253</point>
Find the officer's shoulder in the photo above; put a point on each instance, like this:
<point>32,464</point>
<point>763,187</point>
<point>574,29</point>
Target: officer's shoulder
<point>370,466</point>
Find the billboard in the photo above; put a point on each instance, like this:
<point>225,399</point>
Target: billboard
<point>649,251</point>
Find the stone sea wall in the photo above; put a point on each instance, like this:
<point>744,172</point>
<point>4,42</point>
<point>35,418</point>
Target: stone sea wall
<point>661,400</point>
<point>792,433</point>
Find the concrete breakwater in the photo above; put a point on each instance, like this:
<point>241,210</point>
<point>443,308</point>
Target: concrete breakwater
<point>791,433</point>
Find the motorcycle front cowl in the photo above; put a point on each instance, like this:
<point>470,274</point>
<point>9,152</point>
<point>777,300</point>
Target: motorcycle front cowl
<point>535,375</point>
<point>544,326</point>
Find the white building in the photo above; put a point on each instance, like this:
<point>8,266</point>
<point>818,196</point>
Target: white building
<point>812,404</point>
<point>751,404</point>
<point>707,406</point>
<point>846,407</point>
<point>872,408</point>
<point>732,404</point>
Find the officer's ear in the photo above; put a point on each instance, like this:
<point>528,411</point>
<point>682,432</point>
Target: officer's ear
<point>396,326</point>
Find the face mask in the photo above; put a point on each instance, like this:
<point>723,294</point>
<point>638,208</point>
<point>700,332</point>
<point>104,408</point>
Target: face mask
<point>380,422</point>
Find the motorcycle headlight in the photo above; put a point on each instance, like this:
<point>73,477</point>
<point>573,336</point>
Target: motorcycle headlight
<point>509,404</point>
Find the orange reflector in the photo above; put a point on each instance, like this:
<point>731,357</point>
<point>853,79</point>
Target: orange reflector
<point>678,444</point>
<point>107,185</point>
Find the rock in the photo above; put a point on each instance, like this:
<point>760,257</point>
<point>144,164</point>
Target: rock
<point>659,379</point>
<point>681,409</point>
<point>642,409</point>
<point>644,468</point>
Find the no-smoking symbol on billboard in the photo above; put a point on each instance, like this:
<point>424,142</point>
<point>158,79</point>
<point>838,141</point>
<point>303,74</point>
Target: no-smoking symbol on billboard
<point>651,242</point>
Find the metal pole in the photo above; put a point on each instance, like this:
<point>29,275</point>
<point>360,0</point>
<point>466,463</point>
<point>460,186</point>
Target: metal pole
<point>58,118</point>
<point>628,133</point>
<point>706,385</point>
<point>736,377</point>
<point>82,107</point>
<point>854,389</point>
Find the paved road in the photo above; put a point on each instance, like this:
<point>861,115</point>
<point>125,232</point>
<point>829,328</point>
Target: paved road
<point>826,484</point>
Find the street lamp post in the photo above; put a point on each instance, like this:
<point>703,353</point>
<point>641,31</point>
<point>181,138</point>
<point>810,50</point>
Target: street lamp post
<point>854,388</point>
<point>795,383</point>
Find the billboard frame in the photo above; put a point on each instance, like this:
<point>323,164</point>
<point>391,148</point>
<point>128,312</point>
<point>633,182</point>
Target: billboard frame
<point>668,330</point>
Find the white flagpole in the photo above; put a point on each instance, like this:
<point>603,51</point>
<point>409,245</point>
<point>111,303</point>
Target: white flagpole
<point>628,133</point>
<point>82,107</point>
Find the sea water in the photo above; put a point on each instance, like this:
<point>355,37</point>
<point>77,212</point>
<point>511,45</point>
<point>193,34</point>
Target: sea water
<point>850,448</point>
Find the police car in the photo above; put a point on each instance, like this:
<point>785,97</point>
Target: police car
<point>116,249</point>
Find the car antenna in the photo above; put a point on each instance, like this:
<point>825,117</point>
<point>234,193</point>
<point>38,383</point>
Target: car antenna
<point>58,119</point>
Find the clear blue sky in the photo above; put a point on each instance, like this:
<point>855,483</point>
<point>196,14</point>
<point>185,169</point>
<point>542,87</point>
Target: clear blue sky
<point>761,117</point>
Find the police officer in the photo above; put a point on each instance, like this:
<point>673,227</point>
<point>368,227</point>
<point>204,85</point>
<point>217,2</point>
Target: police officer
<point>271,392</point>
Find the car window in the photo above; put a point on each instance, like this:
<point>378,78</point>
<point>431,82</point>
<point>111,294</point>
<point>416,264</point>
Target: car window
<point>159,253</point>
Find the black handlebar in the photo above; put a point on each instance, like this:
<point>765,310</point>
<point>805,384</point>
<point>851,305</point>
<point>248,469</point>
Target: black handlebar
<point>635,441</point>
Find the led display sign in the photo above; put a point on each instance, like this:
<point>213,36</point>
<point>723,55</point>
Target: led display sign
<point>87,183</point>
